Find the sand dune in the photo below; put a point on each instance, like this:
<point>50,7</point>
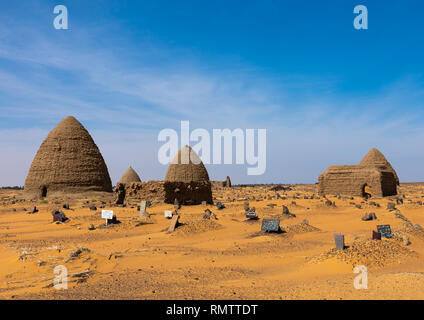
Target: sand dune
<point>227,258</point>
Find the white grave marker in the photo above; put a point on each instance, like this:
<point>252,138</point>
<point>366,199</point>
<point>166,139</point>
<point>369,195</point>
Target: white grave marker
<point>168,214</point>
<point>107,214</point>
<point>143,206</point>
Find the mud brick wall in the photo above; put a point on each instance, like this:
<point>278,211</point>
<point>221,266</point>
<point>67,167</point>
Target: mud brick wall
<point>188,192</point>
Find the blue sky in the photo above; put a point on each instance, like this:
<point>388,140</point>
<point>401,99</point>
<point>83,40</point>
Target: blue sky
<point>325,92</point>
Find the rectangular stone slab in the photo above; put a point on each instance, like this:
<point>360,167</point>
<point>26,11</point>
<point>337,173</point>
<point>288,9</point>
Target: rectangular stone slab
<point>143,206</point>
<point>376,235</point>
<point>251,214</point>
<point>339,239</point>
<point>270,225</point>
<point>385,230</point>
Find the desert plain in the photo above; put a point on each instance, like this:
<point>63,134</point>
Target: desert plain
<point>226,258</point>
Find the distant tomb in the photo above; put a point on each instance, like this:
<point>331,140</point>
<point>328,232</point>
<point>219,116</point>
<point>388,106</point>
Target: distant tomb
<point>130,176</point>
<point>374,176</point>
<point>67,162</point>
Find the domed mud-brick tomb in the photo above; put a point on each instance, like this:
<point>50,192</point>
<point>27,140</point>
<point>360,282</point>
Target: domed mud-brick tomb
<point>376,158</point>
<point>68,162</point>
<point>374,176</point>
<point>130,176</point>
<point>187,179</point>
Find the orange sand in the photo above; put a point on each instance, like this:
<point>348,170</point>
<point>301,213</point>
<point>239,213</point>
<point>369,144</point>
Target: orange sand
<point>227,258</point>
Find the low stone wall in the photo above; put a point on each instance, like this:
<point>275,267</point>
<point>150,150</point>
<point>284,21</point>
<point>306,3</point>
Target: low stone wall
<point>188,193</point>
<point>163,192</point>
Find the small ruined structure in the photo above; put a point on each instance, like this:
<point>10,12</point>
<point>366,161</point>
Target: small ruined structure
<point>67,162</point>
<point>221,184</point>
<point>130,176</point>
<point>186,181</point>
<point>374,176</point>
<point>134,192</point>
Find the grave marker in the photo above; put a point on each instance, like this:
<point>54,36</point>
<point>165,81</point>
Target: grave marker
<point>168,214</point>
<point>251,214</point>
<point>220,206</point>
<point>107,214</point>
<point>58,216</point>
<point>385,231</point>
<point>376,235</point>
<point>143,206</point>
<point>246,206</point>
<point>270,225</point>
<point>174,223</point>
<point>176,204</point>
<point>339,239</point>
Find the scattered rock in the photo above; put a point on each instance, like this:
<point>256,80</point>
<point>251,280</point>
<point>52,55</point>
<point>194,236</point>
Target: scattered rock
<point>369,216</point>
<point>391,206</point>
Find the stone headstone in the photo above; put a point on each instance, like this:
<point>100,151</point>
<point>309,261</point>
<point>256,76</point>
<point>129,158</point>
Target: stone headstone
<point>58,216</point>
<point>369,216</point>
<point>220,206</point>
<point>376,235</point>
<point>176,204</point>
<point>385,230</point>
<point>391,206</point>
<point>143,212</point>
<point>251,214</point>
<point>339,240</point>
<point>32,210</point>
<point>246,206</point>
<point>270,225</point>
<point>174,223</point>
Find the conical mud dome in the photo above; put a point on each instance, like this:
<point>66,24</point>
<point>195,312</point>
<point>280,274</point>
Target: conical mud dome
<point>130,176</point>
<point>187,179</point>
<point>187,167</point>
<point>68,161</point>
<point>376,158</point>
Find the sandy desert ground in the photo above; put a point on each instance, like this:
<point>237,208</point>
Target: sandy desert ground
<point>227,258</point>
